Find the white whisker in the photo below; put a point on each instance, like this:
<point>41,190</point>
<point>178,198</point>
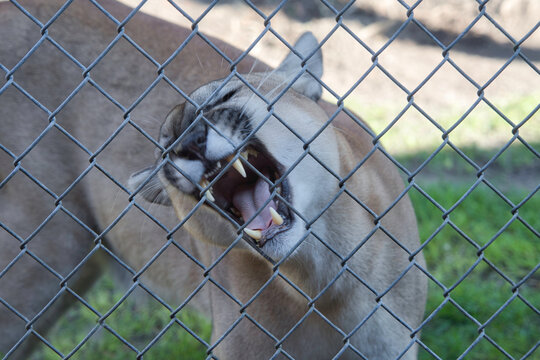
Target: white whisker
<point>287,80</point>
<point>266,77</point>
<point>253,66</point>
<point>200,62</point>
<point>144,224</point>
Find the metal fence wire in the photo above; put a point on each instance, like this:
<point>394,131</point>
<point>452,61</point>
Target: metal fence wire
<point>19,239</point>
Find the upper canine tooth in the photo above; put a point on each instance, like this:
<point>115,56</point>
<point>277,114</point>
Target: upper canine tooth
<point>237,164</point>
<point>239,167</point>
<point>276,218</point>
<point>203,183</point>
<point>254,234</point>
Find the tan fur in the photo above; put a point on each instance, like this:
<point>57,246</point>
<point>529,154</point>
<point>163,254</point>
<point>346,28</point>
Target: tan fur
<point>97,201</point>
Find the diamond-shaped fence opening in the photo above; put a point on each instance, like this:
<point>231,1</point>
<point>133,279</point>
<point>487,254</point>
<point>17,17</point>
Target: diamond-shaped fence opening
<point>292,234</point>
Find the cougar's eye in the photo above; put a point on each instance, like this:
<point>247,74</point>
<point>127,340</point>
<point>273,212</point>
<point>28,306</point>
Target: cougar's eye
<point>251,191</point>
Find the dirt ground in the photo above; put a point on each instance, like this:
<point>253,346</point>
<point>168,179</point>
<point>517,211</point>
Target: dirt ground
<point>411,57</point>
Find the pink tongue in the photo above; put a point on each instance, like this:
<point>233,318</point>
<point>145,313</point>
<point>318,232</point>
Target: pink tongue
<point>248,199</point>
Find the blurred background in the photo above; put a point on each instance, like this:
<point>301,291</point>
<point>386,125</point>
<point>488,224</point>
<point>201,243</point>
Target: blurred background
<point>485,292</point>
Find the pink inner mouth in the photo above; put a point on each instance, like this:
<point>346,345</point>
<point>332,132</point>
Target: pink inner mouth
<point>244,196</point>
<point>249,198</point>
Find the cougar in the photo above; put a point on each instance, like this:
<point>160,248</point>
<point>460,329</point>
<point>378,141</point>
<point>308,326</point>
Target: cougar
<point>264,206</point>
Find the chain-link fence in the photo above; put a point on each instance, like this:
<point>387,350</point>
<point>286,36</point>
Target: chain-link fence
<point>330,265</point>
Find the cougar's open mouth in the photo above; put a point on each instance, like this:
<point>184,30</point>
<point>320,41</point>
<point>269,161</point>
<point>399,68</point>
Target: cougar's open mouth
<point>241,192</point>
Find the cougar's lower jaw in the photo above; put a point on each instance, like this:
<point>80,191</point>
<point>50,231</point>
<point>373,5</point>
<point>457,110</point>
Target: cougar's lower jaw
<point>247,193</point>
<point>261,237</point>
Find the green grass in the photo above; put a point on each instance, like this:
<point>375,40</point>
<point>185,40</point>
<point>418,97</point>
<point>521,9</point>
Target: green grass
<point>482,127</point>
<point>449,256</point>
<point>138,320</point>
<point>492,308</point>
<point>483,292</point>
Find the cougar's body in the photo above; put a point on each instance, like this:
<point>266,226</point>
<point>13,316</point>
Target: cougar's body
<point>101,170</point>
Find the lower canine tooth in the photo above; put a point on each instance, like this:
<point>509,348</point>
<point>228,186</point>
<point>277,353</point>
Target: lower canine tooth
<point>254,234</point>
<point>276,218</point>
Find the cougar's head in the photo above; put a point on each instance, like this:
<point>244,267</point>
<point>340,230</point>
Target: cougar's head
<point>252,153</point>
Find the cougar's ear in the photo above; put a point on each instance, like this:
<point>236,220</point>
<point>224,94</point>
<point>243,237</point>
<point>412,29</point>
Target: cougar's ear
<point>292,65</point>
<point>171,127</point>
<point>152,190</point>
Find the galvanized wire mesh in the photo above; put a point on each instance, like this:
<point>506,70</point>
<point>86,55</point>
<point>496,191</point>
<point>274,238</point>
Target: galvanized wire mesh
<point>159,76</point>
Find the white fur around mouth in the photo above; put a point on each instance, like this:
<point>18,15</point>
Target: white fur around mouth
<point>246,196</point>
